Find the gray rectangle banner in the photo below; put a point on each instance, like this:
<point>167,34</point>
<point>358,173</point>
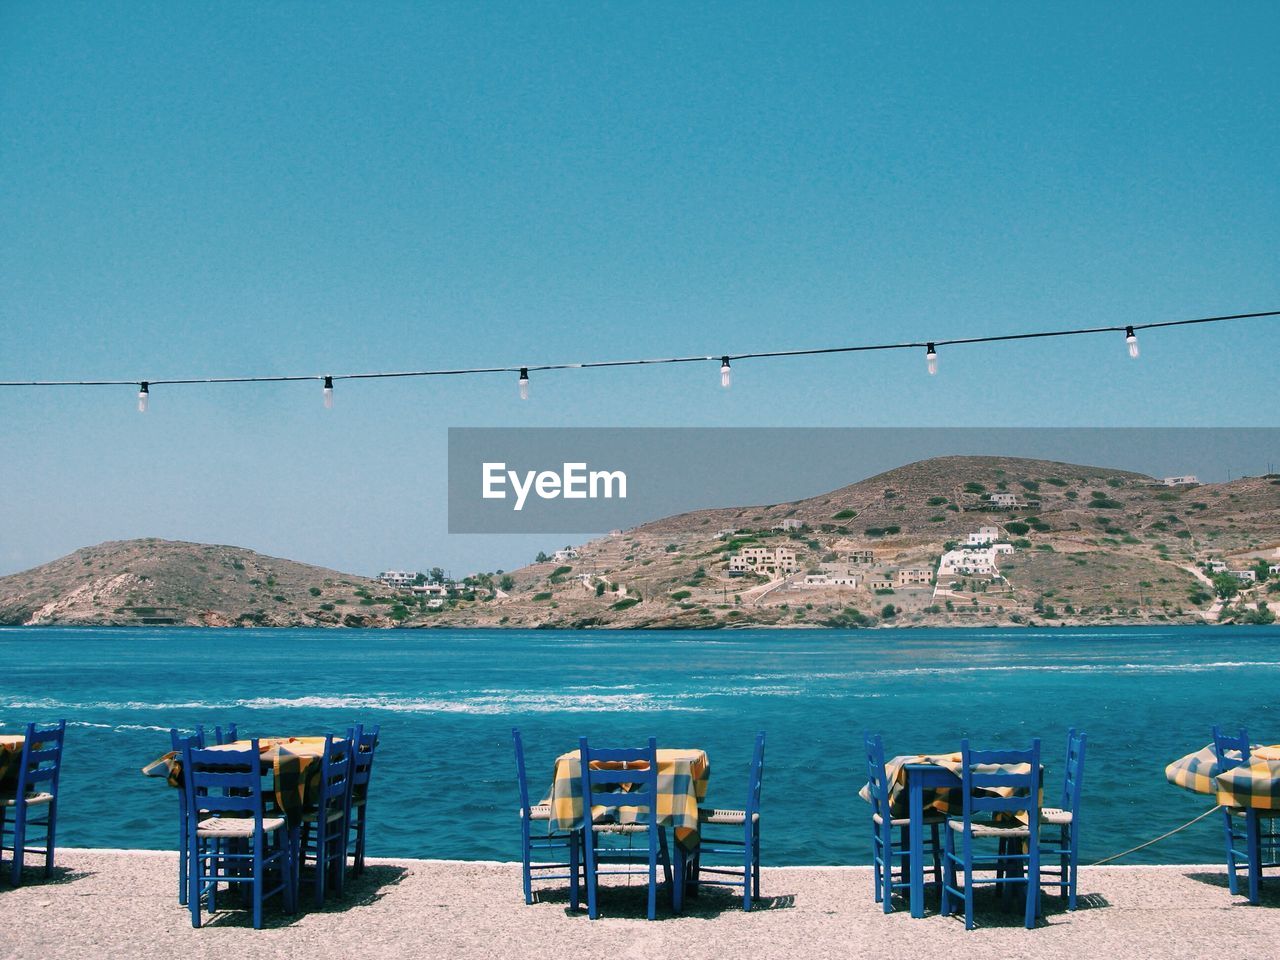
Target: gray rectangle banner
<point>591,480</point>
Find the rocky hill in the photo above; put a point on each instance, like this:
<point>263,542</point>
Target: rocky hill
<point>170,582</point>
<point>1085,545</point>
<point>1090,545</point>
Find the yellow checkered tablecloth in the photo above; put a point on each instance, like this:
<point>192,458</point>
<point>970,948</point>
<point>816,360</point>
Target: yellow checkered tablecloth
<point>294,763</point>
<point>1255,783</point>
<point>945,800</point>
<point>10,757</point>
<point>682,785</point>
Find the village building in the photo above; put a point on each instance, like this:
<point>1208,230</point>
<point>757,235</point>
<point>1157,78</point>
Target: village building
<point>862,556</point>
<point>770,560</point>
<point>397,578</point>
<point>1248,576</point>
<point>969,562</point>
<point>814,580</point>
<point>1216,566</point>
<point>880,584</point>
<point>565,554</point>
<point>1004,501</point>
<point>984,536</point>
<point>914,577</point>
<point>789,524</point>
<point>1188,480</point>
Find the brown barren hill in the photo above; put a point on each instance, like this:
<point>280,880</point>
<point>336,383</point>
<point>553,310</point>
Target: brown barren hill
<point>151,582</point>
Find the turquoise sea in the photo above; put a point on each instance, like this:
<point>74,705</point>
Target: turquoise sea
<point>444,784</point>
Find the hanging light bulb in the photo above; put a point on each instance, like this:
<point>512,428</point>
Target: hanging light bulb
<point>524,383</point>
<point>144,396</point>
<point>1131,339</point>
<point>328,393</point>
<point>931,359</point>
<point>726,375</point>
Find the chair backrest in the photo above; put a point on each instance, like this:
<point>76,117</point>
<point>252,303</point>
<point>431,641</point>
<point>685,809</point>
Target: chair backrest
<point>622,777</point>
<point>521,779</point>
<point>335,776</point>
<point>1231,751</point>
<point>997,790</point>
<point>41,765</point>
<point>225,735</point>
<point>755,779</point>
<point>178,739</point>
<point>364,743</point>
<point>1073,775</point>
<point>877,780</point>
<point>228,782</point>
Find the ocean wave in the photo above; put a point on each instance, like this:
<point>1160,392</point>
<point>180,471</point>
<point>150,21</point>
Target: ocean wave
<point>493,703</point>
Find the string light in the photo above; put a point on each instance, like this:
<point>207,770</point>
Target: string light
<point>930,346</point>
<point>328,393</point>
<point>1131,339</point>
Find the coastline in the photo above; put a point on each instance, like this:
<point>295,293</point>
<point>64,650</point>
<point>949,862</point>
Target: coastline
<point>117,903</point>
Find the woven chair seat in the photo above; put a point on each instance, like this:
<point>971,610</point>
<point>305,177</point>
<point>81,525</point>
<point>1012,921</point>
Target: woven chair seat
<point>991,829</point>
<point>620,827</point>
<point>540,812</point>
<point>731,817</point>
<point>236,826</point>
<point>32,799</point>
<point>1055,816</point>
<point>930,817</point>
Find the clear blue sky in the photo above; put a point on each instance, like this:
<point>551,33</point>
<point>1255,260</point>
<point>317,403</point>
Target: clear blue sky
<point>216,189</point>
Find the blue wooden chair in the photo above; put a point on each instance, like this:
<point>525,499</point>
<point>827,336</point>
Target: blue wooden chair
<point>229,837</point>
<point>992,797</point>
<point>745,847</point>
<point>884,851</point>
<point>629,778</point>
<point>322,840</point>
<point>1066,817</point>
<point>179,744</point>
<point>556,850</point>
<point>1247,831</point>
<point>227,734</point>
<point>365,745</point>
<point>35,802</point>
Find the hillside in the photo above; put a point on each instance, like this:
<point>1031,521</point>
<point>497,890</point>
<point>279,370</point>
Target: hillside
<point>1090,545</point>
<point>165,582</point>
<point>1080,544</point>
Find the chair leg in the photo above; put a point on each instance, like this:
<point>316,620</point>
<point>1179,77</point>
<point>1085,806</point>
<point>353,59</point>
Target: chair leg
<point>937,856</point>
<point>589,850</point>
<point>575,841</point>
<point>257,889</point>
<point>19,842</point>
<point>1229,832</point>
<point>1254,846</point>
<point>1033,879</point>
<point>50,843</point>
<point>948,873</point>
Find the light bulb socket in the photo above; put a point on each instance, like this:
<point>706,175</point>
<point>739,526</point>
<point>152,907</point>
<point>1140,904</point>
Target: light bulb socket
<point>724,363</point>
<point>1129,334</point>
<point>328,383</point>
<point>144,387</point>
<point>929,350</point>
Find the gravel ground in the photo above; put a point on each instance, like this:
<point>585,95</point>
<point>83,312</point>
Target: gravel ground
<point>109,903</point>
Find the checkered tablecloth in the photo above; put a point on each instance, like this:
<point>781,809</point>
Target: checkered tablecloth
<point>10,757</point>
<point>944,800</point>
<point>294,764</point>
<point>1255,783</point>
<point>682,785</point>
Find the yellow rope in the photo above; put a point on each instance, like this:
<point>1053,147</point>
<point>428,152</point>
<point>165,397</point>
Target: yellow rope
<point>1162,836</point>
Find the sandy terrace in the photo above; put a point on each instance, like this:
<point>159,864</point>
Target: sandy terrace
<point>122,904</point>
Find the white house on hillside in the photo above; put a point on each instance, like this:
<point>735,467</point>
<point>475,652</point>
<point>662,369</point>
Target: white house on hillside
<point>984,536</point>
<point>1188,480</point>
